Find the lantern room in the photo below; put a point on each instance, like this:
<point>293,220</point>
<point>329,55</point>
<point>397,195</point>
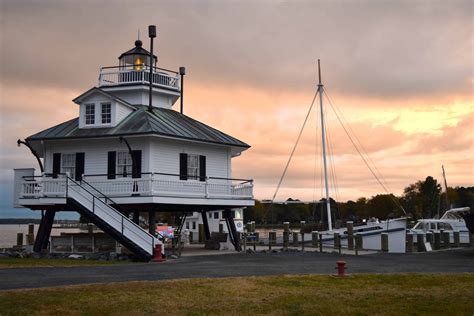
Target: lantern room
<point>137,58</point>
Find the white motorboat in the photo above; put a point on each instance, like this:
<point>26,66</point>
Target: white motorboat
<point>451,221</point>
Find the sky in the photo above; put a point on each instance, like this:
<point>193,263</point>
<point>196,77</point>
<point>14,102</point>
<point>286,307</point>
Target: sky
<point>400,72</point>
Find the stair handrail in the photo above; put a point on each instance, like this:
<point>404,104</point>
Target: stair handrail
<point>102,194</point>
<point>116,211</point>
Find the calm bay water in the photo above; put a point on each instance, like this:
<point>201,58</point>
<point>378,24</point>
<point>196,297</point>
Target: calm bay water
<point>8,233</point>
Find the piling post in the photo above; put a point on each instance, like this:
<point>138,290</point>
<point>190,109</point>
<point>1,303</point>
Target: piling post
<point>19,239</point>
<point>31,229</point>
<point>286,239</point>
<point>446,241</point>
<point>420,242</point>
<point>295,239</point>
<point>314,237</point>
<point>409,246</point>
<point>456,237</point>
<point>429,238</point>
<point>437,240</point>
<point>30,239</point>
<point>201,233</point>
<point>271,239</point>
<point>350,235</point>
<point>359,242</point>
<point>320,242</point>
<point>384,240</point>
<point>337,241</point>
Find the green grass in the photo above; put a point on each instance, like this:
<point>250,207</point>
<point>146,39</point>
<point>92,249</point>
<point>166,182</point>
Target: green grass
<point>410,294</point>
<point>43,262</point>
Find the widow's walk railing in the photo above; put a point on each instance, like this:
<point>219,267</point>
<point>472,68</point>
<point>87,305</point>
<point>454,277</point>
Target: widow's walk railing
<point>123,75</point>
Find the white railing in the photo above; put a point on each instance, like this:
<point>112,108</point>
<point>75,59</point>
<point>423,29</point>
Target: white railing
<point>148,185</point>
<point>112,76</point>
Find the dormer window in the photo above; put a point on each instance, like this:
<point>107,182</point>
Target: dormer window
<point>90,114</point>
<point>106,113</point>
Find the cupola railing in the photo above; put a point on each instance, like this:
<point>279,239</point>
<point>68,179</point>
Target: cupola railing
<point>138,74</point>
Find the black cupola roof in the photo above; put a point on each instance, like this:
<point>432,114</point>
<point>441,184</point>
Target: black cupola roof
<point>130,56</point>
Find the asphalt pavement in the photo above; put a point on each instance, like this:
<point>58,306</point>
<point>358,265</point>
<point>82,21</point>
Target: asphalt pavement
<point>240,264</point>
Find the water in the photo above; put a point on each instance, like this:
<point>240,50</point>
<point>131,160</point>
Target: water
<point>8,233</point>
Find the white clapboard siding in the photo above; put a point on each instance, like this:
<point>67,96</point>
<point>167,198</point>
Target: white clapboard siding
<point>96,152</point>
<point>121,112</point>
<point>165,156</point>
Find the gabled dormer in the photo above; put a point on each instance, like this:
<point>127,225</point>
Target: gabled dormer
<point>100,109</point>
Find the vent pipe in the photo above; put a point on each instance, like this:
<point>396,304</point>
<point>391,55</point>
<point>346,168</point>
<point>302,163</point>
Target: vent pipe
<point>182,72</point>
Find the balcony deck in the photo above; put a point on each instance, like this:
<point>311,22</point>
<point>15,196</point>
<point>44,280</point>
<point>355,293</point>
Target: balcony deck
<point>126,75</point>
<point>153,188</point>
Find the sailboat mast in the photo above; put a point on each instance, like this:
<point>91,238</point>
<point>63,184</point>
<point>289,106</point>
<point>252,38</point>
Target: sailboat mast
<point>448,206</point>
<point>328,202</point>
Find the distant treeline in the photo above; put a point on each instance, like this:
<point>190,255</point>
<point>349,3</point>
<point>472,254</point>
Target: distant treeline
<point>422,199</point>
<point>20,221</point>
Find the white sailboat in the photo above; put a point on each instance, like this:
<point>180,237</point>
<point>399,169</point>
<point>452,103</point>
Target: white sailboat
<point>370,231</point>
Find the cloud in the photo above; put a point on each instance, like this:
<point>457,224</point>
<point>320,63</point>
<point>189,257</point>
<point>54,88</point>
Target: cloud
<point>400,71</point>
<point>382,49</point>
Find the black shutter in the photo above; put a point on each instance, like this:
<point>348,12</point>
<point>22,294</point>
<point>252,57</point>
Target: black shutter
<point>183,166</point>
<point>79,166</point>
<point>137,158</point>
<point>111,161</point>
<point>202,168</point>
<point>56,164</point>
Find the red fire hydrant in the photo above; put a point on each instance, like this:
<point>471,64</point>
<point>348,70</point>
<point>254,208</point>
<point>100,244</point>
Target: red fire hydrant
<point>157,257</point>
<point>341,268</point>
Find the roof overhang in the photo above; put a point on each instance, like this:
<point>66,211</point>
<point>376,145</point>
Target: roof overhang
<point>80,99</point>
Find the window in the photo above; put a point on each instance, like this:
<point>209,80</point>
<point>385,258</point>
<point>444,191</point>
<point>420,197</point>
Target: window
<point>68,164</point>
<point>194,225</point>
<point>187,225</point>
<point>124,163</point>
<point>90,114</point>
<point>106,113</point>
<point>210,215</point>
<point>216,215</point>
<point>193,167</point>
<point>233,214</point>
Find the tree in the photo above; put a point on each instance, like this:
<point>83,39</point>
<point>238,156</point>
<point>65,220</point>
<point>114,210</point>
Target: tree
<point>422,198</point>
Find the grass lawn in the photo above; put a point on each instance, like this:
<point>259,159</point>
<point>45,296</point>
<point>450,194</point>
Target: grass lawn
<point>410,294</point>
<point>43,262</point>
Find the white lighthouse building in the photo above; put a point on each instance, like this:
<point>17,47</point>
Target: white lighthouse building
<point>123,155</point>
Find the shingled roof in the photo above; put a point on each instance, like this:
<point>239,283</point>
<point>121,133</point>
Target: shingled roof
<point>160,121</point>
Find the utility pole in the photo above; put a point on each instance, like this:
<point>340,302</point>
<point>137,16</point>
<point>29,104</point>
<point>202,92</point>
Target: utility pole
<point>328,202</point>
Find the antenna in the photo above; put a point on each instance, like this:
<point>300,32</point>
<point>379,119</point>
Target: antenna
<point>319,71</point>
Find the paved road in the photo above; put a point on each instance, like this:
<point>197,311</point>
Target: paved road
<point>239,265</point>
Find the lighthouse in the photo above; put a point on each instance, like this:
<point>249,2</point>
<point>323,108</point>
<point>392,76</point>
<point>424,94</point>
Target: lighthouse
<point>131,153</point>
